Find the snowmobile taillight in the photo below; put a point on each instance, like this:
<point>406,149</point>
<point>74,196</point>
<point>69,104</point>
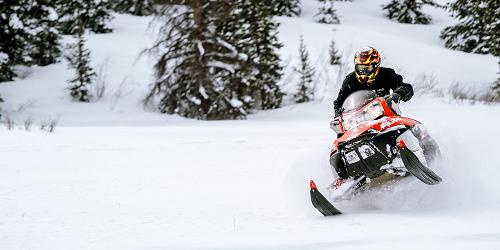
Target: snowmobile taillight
<point>312,184</point>
<point>401,144</point>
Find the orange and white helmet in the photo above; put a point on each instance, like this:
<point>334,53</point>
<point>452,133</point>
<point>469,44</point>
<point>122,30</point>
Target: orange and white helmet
<point>367,64</point>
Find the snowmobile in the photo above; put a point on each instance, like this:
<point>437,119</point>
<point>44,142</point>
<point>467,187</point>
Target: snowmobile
<point>375,144</point>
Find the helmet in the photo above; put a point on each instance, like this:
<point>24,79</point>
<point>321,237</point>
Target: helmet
<point>367,64</point>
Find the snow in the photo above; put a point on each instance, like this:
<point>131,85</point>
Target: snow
<point>237,184</point>
<point>218,64</point>
<point>236,103</point>
<point>200,48</point>
<point>14,22</point>
<point>115,175</point>
<point>3,57</point>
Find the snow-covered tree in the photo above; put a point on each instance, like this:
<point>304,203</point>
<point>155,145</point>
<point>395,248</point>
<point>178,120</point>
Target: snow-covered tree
<point>6,64</point>
<point>79,60</point>
<point>284,7</point>
<point>94,14</point>
<point>41,21</point>
<point>333,54</point>
<point>305,91</point>
<point>198,71</point>
<point>27,35</point>
<point>252,30</point>
<point>12,39</point>
<point>408,11</point>
<point>479,28</point>
<point>496,87</point>
<point>134,7</point>
<point>327,13</point>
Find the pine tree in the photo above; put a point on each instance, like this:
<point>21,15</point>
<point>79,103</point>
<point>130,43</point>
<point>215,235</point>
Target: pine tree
<point>41,20</point>
<point>79,59</point>
<point>198,71</point>
<point>93,13</point>
<point>252,30</point>
<point>6,64</point>
<point>26,35</point>
<point>334,54</point>
<point>306,83</point>
<point>408,11</point>
<point>496,87</point>
<point>12,39</point>
<point>134,7</point>
<point>327,13</point>
<point>479,28</point>
<point>284,7</point>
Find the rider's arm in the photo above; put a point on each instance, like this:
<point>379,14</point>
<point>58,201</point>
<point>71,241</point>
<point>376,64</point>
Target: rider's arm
<point>405,90</point>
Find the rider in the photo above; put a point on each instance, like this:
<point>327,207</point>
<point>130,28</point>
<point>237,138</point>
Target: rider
<point>369,75</point>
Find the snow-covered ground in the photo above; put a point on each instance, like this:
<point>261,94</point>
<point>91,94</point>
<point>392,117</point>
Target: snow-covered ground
<point>116,176</point>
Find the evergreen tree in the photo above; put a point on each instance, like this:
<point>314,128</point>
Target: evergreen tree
<point>198,72</point>
<point>6,64</point>
<point>94,14</point>
<point>284,7</point>
<point>79,59</point>
<point>252,30</point>
<point>408,11</point>
<point>27,35</point>
<point>306,83</point>
<point>41,20</point>
<point>134,7</point>
<point>478,30</point>
<point>12,38</point>
<point>496,88</point>
<point>334,54</point>
<point>327,13</point>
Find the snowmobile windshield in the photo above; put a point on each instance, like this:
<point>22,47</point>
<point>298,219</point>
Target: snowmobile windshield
<point>357,100</point>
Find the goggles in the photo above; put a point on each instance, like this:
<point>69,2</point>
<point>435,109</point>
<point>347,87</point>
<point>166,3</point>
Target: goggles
<point>365,69</point>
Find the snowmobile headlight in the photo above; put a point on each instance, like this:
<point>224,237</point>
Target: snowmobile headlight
<point>373,111</point>
<point>369,113</point>
<point>349,121</point>
<point>352,157</point>
<point>366,151</point>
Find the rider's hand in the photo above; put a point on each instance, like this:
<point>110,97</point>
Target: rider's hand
<point>336,120</point>
<point>394,97</point>
<point>334,124</point>
<point>338,112</point>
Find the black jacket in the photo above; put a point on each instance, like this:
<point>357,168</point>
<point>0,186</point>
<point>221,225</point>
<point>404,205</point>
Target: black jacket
<point>385,80</point>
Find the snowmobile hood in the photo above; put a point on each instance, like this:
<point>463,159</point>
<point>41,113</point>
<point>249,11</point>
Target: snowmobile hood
<point>380,125</point>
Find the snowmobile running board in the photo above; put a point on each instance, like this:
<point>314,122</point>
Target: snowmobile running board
<point>417,169</point>
<point>321,203</point>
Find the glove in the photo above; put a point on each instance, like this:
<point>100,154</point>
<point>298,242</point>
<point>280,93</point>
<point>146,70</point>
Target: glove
<point>338,112</point>
<point>335,126</point>
<point>394,97</point>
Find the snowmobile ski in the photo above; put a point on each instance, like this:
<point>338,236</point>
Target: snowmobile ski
<point>321,203</point>
<point>416,168</point>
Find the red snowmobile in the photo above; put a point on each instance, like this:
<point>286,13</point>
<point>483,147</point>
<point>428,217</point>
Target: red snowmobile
<point>376,142</point>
